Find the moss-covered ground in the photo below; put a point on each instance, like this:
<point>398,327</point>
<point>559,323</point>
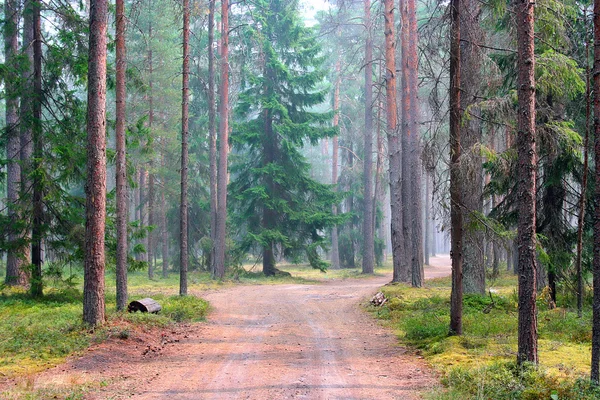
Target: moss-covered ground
<point>480,364</point>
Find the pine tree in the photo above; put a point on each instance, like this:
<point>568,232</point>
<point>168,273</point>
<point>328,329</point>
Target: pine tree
<point>280,208</point>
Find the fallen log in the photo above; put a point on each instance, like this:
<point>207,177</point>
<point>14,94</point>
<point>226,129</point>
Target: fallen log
<point>144,305</point>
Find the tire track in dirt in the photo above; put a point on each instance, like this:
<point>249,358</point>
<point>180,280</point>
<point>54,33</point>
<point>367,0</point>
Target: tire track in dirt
<point>272,342</point>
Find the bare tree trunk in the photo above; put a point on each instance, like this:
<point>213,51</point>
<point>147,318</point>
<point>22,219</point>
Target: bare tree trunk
<point>151,194</point>
<point>418,272</point>
<point>471,133</point>
<point>13,142</point>
<point>368,239</point>
<point>165,234</point>
<point>526,186</point>
<point>121,162</point>
<point>38,183</point>
<point>400,273</point>
<point>405,176</point>
<point>26,119</point>
<point>427,250</point>
<point>142,210</point>
<point>212,134</point>
<point>224,145</point>
<point>183,215</point>
<point>456,217</point>
<point>581,216</point>
<point>394,151</point>
<point>335,252</point>
<point>93,287</point>
<point>595,371</point>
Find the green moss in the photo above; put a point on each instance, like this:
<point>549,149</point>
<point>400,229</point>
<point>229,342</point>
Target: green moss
<point>479,364</point>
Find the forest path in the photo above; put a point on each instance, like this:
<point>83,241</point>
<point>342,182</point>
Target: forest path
<point>272,342</point>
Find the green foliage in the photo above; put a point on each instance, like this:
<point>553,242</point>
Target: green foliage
<point>480,364</point>
<point>276,205</point>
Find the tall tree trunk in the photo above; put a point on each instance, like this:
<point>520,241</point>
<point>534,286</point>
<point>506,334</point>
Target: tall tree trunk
<point>416,205</point>
<point>26,119</point>
<point>456,217</point>
<point>13,143</point>
<point>121,162</point>
<point>212,134</point>
<point>142,210</point>
<point>93,287</point>
<point>183,212</point>
<point>526,186</point>
<point>471,133</point>
<point>427,250</point>
<point>335,251</point>
<point>405,145</point>
<point>151,194</point>
<point>224,145</point>
<point>581,216</point>
<point>398,253</point>
<point>269,216</point>
<point>38,183</point>
<point>165,233</point>
<point>368,239</point>
<point>595,372</point>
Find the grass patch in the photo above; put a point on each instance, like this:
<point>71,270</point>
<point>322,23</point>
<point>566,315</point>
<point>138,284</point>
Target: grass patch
<point>39,333</point>
<point>481,363</point>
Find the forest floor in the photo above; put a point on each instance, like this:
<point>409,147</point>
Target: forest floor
<point>310,341</point>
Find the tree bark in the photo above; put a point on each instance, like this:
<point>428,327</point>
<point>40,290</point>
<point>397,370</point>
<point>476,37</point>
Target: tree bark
<point>26,117</point>
<point>581,216</point>
<point>212,134</point>
<point>38,183</point>
<point>456,217</point>
<point>595,370</point>
<point>416,205</point>
<point>471,132</point>
<point>93,288</point>
<point>427,250</point>
<point>398,254</point>
<point>224,145</point>
<point>368,239</point>
<point>335,252</point>
<point>151,194</point>
<point>13,143</point>
<point>526,186</point>
<point>183,211</point>
<point>121,162</point>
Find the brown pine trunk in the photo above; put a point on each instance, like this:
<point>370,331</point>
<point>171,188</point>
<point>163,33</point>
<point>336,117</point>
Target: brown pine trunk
<point>26,119</point>
<point>471,133</point>
<point>150,219</point>
<point>400,273</point>
<point>121,162</point>
<point>38,183</point>
<point>581,216</point>
<point>212,134</point>
<point>165,234</point>
<point>93,287</point>
<point>595,372</point>
<point>335,251</point>
<point>368,239</point>
<point>142,209</point>
<point>456,218</point>
<point>224,145</point>
<point>405,146</point>
<point>526,187</point>
<point>13,142</point>
<point>183,211</point>
<point>427,247</point>
<point>416,205</point>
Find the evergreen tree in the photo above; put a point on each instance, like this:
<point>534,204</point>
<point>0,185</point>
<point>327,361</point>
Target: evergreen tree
<point>280,208</point>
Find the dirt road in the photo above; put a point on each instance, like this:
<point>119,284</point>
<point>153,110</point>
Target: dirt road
<point>270,342</point>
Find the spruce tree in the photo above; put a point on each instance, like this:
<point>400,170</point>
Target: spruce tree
<point>280,208</point>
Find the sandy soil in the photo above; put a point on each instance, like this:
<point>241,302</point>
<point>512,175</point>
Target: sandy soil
<point>262,342</point>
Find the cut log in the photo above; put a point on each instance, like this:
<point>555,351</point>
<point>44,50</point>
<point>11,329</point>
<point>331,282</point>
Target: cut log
<point>144,305</point>
<point>379,299</point>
